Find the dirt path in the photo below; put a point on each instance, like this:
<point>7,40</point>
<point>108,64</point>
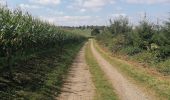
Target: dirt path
<point>78,85</point>
<point>125,89</point>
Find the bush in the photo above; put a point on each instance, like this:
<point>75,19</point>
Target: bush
<point>147,43</point>
<point>147,57</point>
<point>117,43</point>
<point>130,50</point>
<point>95,32</point>
<point>164,67</point>
<point>120,25</point>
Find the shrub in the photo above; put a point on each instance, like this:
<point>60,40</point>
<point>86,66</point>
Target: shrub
<point>147,57</point>
<point>120,25</point>
<point>95,32</point>
<point>164,67</point>
<point>130,50</point>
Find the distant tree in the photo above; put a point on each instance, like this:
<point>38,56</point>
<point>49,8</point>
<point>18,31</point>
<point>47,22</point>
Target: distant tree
<point>162,40</point>
<point>145,32</point>
<point>95,32</point>
<point>120,25</point>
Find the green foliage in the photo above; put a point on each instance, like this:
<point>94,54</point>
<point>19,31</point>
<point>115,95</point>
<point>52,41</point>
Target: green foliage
<point>134,39</point>
<point>27,63</point>
<point>164,67</point>
<point>21,35</point>
<point>120,25</point>
<point>160,86</point>
<point>95,32</point>
<point>146,57</point>
<point>105,37</point>
<point>152,42</point>
<point>146,32</point>
<point>141,36</point>
<point>117,43</point>
<point>38,77</point>
<point>85,32</point>
<point>131,50</point>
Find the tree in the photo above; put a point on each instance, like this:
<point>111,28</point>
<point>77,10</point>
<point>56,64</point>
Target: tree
<point>120,25</point>
<point>162,39</point>
<point>95,32</point>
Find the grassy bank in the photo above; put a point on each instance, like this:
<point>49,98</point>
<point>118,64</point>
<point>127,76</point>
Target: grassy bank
<point>40,76</point>
<point>104,90</point>
<point>160,86</point>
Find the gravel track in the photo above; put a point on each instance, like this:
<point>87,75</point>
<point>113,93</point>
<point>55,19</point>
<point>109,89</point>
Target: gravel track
<point>78,85</point>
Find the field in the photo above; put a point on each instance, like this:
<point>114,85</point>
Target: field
<point>34,55</point>
<point>44,61</point>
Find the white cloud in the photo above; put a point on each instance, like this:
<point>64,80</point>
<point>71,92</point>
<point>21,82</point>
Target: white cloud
<point>46,2</point>
<point>148,1</point>
<point>118,9</point>
<point>74,20</point>
<point>54,11</point>
<point>118,15</point>
<point>70,18</point>
<point>82,10</point>
<point>37,8</point>
<point>93,5</point>
<point>27,6</point>
<point>3,2</point>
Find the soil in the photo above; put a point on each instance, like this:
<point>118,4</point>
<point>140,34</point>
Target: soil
<point>78,85</point>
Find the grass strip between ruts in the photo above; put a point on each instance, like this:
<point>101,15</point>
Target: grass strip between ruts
<point>104,90</point>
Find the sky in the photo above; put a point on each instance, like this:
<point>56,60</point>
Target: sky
<point>92,12</point>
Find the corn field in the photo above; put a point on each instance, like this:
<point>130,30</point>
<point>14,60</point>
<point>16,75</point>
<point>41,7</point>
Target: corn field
<point>21,34</point>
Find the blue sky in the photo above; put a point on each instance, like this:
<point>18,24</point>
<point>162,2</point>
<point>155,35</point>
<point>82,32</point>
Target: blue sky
<point>92,12</point>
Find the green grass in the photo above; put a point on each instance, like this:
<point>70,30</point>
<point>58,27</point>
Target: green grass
<point>150,59</point>
<point>104,90</point>
<point>160,87</point>
<point>85,32</point>
<point>39,77</point>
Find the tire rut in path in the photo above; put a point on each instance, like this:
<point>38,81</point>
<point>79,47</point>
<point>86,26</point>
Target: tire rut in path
<point>78,85</point>
<point>125,89</point>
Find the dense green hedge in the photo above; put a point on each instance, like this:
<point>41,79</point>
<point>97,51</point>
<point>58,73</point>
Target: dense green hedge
<point>145,38</point>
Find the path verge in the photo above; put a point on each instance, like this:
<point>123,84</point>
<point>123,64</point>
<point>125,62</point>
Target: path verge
<point>151,84</point>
